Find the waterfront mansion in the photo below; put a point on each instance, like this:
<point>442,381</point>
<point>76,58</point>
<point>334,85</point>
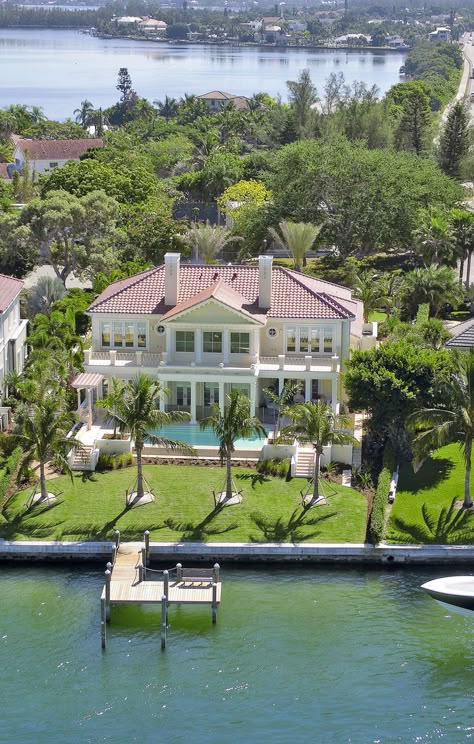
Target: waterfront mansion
<point>206,330</point>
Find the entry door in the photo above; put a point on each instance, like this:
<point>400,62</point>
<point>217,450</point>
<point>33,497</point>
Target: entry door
<point>211,393</point>
<point>183,395</point>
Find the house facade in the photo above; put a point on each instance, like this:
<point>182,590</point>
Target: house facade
<point>12,329</point>
<point>44,156</point>
<point>442,33</point>
<point>204,331</point>
<point>217,100</point>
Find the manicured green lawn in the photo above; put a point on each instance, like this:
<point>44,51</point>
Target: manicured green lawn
<point>377,315</point>
<point>91,508</point>
<point>437,483</point>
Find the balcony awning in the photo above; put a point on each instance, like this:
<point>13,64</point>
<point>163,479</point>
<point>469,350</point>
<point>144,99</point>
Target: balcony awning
<point>87,381</point>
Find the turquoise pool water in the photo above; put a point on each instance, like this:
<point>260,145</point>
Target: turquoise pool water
<point>297,657</point>
<point>192,434</point>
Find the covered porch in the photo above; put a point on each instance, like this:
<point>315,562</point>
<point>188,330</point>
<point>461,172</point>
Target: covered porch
<point>313,389</point>
<point>197,397</point>
<point>87,384</point>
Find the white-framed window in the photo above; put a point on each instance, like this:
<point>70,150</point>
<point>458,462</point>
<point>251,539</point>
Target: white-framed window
<point>212,342</point>
<point>310,339</point>
<point>183,395</point>
<point>53,165</point>
<point>128,334</point>
<point>240,343</point>
<point>184,341</point>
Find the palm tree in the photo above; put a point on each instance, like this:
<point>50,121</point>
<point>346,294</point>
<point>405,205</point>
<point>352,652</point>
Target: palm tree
<point>112,401</point>
<point>42,425</point>
<point>436,427</point>
<point>283,400</point>
<point>42,296</point>
<point>297,238</point>
<point>317,424</point>
<point>84,113</point>
<point>462,223</point>
<point>235,423</point>
<point>435,240</point>
<point>208,241</point>
<point>371,290</point>
<point>37,114</point>
<point>435,285</point>
<point>137,414</point>
<point>167,108</point>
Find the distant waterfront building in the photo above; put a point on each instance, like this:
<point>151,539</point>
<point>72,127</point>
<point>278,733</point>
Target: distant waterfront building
<point>128,20</point>
<point>442,33</point>
<point>152,27</point>
<point>396,42</point>
<point>353,39</point>
<point>216,100</point>
<point>45,155</point>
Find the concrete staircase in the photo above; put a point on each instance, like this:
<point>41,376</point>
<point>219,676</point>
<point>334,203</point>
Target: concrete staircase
<point>304,463</point>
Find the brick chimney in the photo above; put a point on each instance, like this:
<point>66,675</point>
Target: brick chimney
<point>172,278</point>
<point>265,281</point>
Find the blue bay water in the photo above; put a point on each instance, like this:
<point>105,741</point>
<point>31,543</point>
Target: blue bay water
<point>307,655</point>
<point>57,69</point>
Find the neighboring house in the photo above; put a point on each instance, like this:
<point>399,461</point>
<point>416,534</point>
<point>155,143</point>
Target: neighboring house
<point>296,25</point>
<point>152,27</point>
<point>353,39</point>
<point>12,331</point>
<point>204,331</point>
<point>272,34</point>
<point>442,33</point>
<point>128,20</point>
<point>45,155</point>
<point>396,42</point>
<point>217,100</point>
<point>462,336</point>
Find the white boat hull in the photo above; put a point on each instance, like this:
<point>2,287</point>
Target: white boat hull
<point>454,592</point>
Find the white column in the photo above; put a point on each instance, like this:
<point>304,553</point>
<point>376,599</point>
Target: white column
<point>253,395</point>
<point>198,344</point>
<point>256,342</point>
<point>221,397</point>
<point>78,402</point>
<point>89,409</point>
<point>193,401</point>
<point>169,349</point>
<point>307,389</point>
<point>226,346</point>
<point>334,401</point>
<point>162,401</point>
<point>281,384</point>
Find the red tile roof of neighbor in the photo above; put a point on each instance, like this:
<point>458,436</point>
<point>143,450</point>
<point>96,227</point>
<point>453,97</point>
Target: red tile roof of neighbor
<point>291,298</point>
<point>9,289</point>
<point>65,149</point>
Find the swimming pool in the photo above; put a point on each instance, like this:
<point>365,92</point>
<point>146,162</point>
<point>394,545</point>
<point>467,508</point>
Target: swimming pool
<point>192,434</point>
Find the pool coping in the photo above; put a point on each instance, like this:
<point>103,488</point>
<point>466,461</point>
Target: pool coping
<point>324,553</point>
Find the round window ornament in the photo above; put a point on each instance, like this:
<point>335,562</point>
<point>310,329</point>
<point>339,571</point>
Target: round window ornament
<point>272,332</point>
<point>160,329</point>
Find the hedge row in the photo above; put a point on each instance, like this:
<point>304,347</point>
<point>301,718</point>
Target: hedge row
<point>379,507</point>
<point>9,472</point>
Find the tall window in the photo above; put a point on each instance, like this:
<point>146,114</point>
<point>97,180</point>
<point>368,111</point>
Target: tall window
<point>240,343</point>
<point>118,334</point>
<point>185,341</point>
<point>327,340</point>
<point>105,338</point>
<point>291,339</point>
<point>212,342</point>
<point>129,335</point>
<point>141,335</point>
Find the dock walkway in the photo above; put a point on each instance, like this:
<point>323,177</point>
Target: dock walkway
<point>127,583</point>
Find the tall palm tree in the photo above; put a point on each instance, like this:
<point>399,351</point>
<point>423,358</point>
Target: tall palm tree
<point>318,425</point>
<point>37,114</point>
<point>167,108</point>
<point>462,224</point>
<point>297,238</point>
<point>283,400</point>
<point>435,240</point>
<point>84,113</point>
<point>138,414</point>
<point>111,402</point>
<point>235,423</point>
<point>207,241</point>
<point>371,290</point>
<point>436,427</point>
<point>42,425</point>
<point>435,285</point>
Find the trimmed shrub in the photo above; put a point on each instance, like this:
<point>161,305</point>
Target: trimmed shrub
<point>277,468</point>
<point>379,506</point>
<point>114,462</point>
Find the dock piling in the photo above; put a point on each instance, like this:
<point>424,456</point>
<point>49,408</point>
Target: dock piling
<point>103,625</point>
<point>117,538</point>
<point>214,603</point>
<point>179,571</point>
<point>146,536</point>
<point>164,620</point>
<point>166,579</point>
<point>141,572</point>
<point>215,573</point>
<point>108,576</point>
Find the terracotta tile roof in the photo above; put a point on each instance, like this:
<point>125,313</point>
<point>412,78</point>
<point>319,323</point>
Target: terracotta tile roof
<point>223,293</point>
<point>65,149</point>
<point>9,289</point>
<point>144,293</point>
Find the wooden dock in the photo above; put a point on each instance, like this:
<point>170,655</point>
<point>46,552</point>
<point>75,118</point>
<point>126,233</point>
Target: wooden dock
<point>129,580</point>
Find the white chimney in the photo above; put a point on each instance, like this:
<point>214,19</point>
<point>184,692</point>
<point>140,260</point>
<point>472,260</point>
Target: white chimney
<point>265,281</point>
<point>172,278</point>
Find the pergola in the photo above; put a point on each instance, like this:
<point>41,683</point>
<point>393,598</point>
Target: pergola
<point>86,381</point>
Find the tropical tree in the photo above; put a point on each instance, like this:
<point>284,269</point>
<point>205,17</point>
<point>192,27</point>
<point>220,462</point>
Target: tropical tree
<point>235,423</point>
<point>138,414</point>
<point>84,113</point>
<point>413,130</point>
<point>167,108</point>
<point>303,95</point>
<point>462,225</point>
<point>42,425</point>
<point>435,285</point>
<point>369,288</point>
<point>434,239</point>
<point>318,425</point>
<point>283,400</point>
<point>207,241</point>
<point>436,427</point>
<point>297,238</point>
<point>42,296</point>
<point>454,140</point>
<point>111,403</point>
